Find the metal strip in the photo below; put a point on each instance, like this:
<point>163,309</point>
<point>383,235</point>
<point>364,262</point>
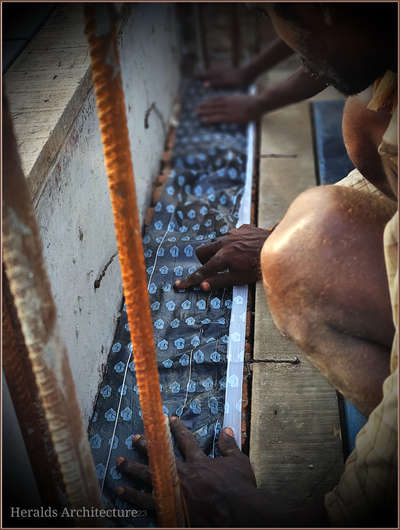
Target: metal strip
<point>237,328</point>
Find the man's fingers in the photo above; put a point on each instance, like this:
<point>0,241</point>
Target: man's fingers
<point>190,281</point>
<point>139,443</point>
<point>137,498</point>
<point>227,444</point>
<point>219,281</point>
<point>211,103</point>
<point>211,111</point>
<point>186,441</point>
<point>209,106</point>
<point>206,252</point>
<point>216,264</point>
<point>135,469</point>
<point>217,118</point>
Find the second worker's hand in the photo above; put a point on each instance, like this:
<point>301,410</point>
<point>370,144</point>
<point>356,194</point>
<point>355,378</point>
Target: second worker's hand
<point>230,260</point>
<point>217,490</point>
<point>237,108</point>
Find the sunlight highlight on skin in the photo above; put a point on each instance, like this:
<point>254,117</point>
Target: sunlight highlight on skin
<point>277,243</point>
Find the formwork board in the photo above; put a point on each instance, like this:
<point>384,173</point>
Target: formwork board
<point>295,442</point>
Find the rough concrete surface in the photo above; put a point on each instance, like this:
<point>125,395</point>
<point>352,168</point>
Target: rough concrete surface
<point>72,203</point>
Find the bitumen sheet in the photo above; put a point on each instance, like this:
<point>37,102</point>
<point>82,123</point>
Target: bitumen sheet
<point>200,202</point>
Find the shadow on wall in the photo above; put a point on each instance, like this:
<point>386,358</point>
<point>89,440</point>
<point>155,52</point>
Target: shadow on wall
<point>20,23</point>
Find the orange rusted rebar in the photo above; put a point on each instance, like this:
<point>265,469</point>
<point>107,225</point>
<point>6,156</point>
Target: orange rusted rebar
<point>100,29</point>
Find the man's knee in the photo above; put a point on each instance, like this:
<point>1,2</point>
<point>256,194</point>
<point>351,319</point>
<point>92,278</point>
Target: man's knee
<point>285,261</point>
<point>328,235</point>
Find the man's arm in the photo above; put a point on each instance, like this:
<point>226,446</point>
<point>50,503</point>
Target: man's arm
<point>276,52</point>
<point>297,87</point>
<point>242,108</point>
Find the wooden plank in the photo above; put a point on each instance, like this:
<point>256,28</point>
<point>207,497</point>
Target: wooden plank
<point>286,169</point>
<point>295,441</point>
<point>295,444</point>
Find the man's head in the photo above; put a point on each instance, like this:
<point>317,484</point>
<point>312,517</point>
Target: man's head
<point>348,45</point>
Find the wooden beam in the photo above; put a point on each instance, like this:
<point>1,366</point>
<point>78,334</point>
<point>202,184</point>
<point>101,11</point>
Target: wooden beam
<point>295,438</point>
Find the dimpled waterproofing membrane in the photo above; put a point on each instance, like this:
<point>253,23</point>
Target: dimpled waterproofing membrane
<point>200,202</point>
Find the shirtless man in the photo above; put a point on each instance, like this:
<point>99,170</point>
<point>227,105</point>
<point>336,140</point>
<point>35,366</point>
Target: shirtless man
<point>330,281</point>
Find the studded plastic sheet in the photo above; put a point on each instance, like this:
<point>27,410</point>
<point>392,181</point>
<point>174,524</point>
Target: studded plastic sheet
<point>200,202</point>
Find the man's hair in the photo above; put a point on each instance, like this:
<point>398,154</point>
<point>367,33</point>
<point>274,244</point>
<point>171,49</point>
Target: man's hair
<point>373,14</point>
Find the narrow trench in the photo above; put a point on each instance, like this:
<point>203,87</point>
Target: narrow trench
<point>158,185</point>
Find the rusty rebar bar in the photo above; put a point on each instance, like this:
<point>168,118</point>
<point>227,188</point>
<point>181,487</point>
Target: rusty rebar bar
<point>30,288</point>
<point>100,29</point>
<point>23,390</point>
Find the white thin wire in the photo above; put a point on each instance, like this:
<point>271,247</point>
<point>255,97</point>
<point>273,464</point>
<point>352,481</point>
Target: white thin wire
<point>158,248</point>
<point>126,368</point>
<point>115,425</point>
<point>188,383</point>
<point>215,436</point>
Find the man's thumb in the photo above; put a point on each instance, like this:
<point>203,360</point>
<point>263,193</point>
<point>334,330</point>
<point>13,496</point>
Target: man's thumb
<point>227,444</point>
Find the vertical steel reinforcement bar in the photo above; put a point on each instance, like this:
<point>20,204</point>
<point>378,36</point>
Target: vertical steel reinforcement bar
<point>100,29</point>
<point>34,305</point>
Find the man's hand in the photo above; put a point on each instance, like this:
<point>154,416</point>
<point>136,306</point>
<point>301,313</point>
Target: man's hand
<point>215,490</point>
<point>230,260</point>
<point>238,108</point>
<point>228,78</point>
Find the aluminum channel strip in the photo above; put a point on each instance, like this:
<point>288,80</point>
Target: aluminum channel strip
<point>237,327</point>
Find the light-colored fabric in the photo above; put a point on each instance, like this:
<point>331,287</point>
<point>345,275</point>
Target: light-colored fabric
<point>368,483</point>
<point>388,150</point>
<point>391,237</point>
<point>368,486</point>
<point>385,92</point>
<point>356,181</point>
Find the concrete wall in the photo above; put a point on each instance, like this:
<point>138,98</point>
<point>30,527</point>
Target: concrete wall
<point>74,210</point>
